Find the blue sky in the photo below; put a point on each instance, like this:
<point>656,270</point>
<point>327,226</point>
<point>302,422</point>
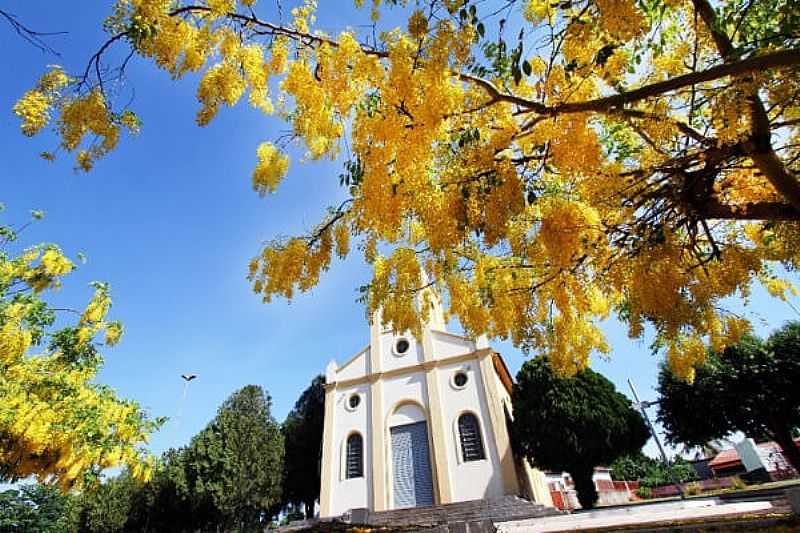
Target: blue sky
<point>170,221</point>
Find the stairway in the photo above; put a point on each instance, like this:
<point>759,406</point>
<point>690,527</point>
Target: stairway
<point>494,509</point>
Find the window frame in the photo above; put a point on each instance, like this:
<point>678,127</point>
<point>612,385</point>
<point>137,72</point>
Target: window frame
<point>397,341</point>
<point>464,455</point>
<point>352,438</point>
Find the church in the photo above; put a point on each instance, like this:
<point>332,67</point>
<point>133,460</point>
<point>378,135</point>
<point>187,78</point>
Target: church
<point>419,422</point>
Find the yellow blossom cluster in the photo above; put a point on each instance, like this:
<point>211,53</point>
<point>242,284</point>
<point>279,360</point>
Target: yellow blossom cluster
<point>729,118</point>
<point>57,424</point>
<point>39,267</point>
<point>34,106</point>
<point>746,185</point>
<point>85,116</point>
<point>538,188</point>
<point>297,263</point>
<point>563,274</point>
<point>620,19</point>
<point>79,116</point>
<point>418,24</point>
<point>272,166</point>
<point>537,10</point>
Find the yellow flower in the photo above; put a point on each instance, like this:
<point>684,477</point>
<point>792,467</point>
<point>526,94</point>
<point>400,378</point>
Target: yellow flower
<point>272,167</point>
<point>55,264</point>
<point>342,237</point>
<point>113,333</point>
<point>418,24</point>
<point>34,110</point>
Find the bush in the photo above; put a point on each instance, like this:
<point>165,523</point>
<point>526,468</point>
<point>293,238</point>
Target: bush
<point>651,472</point>
<point>692,489</point>
<point>738,483</point>
<point>644,492</point>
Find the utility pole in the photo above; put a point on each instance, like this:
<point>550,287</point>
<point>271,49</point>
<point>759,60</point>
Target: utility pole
<point>642,406</point>
<point>186,379</point>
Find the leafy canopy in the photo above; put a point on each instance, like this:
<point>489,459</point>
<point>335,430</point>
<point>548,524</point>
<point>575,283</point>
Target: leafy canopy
<point>573,424</point>
<point>38,509</point>
<point>541,163</point>
<point>55,422</point>
<point>228,478</point>
<point>234,465</point>
<point>750,387</point>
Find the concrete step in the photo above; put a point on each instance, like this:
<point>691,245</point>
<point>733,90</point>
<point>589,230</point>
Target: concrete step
<point>495,510</point>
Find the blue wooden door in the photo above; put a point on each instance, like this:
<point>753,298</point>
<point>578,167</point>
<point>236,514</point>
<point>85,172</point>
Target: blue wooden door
<point>411,466</point>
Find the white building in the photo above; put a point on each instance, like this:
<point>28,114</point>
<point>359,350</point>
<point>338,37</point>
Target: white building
<point>417,422</point>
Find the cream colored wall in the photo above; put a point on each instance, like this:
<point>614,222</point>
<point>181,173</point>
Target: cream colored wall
<point>448,345</point>
<point>406,388</point>
<point>536,480</point>
<point>356,367</point>
<point>391,361</point>
<point>474,479</point>
<point>356,492</point>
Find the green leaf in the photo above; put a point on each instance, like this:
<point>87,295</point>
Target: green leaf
<point>526,67</point>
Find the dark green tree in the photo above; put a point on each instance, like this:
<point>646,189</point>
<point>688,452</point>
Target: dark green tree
<point>38,509</point>
<point>573,424</point>
<point>302,433</point>
<point>106,507</point>
<point>165,502</point>
<point>234,465</point>
<point>751,387</point>
<point>227,479</point>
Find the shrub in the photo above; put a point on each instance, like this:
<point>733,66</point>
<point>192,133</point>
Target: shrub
<point>692,489</point>
<point>737,483</point>
<point>644,492</point>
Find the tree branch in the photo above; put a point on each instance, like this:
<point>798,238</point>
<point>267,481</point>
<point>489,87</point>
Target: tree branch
<point>714,209</point>
<point>783,58</point>
<point>275,28</point>
<point>32,36</point>
<point>760,148</point>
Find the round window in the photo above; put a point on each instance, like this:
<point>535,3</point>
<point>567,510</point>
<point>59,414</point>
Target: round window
<point>353,401</point>
<point>401,346</point>
<point>460,379</point>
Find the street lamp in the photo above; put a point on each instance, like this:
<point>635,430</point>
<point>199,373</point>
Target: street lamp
<point>642,406</point>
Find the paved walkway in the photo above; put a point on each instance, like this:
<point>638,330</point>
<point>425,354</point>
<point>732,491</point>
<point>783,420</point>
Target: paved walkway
<point>634,515</point>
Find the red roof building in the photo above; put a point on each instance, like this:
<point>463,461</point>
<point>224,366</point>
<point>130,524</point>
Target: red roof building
<point>728,462</point>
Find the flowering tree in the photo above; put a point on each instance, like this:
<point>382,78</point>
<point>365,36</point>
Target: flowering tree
<point>55,423</point>
<point>540,163</point>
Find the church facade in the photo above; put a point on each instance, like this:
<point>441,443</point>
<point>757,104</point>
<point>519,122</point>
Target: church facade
<point>417,422</point>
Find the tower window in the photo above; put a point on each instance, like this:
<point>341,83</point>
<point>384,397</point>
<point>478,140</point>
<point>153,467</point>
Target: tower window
<point>401,346</point>
<point>470,434</point>
<point>460,379</point>
<point>355,456</point>
<point>353,401</point>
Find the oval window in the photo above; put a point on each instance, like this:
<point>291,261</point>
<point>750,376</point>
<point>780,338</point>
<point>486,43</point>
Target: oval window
<point>460,379</point>
<point>401,346</point>
<point>354,401</point>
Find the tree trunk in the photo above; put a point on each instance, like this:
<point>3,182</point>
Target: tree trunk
<point>309,505</point>
<point>584,486</point>
<point>783,436</point>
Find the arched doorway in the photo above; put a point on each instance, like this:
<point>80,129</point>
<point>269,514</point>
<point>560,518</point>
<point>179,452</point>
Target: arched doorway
<point>412,478</point>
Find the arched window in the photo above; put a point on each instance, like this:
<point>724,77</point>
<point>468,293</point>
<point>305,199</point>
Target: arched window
<point>355,456</point>
<point>470,434</point>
